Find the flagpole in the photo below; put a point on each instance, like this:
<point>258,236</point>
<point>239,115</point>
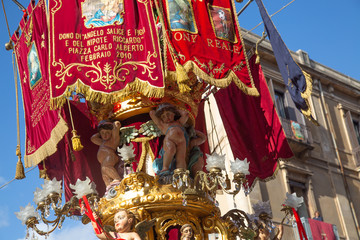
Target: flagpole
<point>270,17</point>
<point>244,7</point>
<point>22,8</point>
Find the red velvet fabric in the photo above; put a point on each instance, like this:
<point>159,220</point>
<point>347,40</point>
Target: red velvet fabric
<point>86,163</point>
<point>62,165</point>
<point>174,233</point>
<point>253,127</point>
<point>321,230</point>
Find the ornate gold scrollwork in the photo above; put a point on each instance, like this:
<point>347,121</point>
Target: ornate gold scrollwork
<point>111,76</point>
<point>136,182</point>
<point>172,208</point>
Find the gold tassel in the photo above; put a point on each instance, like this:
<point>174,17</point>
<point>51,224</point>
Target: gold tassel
<point>257,61</point>
<point>19,174</point>
<point>76,143</point>
<point>182,78</point>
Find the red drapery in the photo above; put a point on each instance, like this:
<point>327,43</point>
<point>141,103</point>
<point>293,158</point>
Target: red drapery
<point>253,127</point>
<point>71,165</point>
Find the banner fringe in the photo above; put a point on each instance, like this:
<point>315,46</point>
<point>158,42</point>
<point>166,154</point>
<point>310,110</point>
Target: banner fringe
<point>49,147</point>
<point>190,66</point>
<point>91,95</point>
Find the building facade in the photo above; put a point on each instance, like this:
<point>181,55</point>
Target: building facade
<point>325,169</point>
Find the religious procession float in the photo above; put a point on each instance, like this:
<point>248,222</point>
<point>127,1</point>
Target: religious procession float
<point>114,94</point>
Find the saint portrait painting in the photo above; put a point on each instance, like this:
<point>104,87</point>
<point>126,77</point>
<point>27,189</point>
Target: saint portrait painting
<point>181,15</point>
<point>34,66</point>
<point>222,23</point>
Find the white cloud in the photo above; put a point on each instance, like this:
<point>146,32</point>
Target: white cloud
<point>77,231</point>
<point>4,216</point>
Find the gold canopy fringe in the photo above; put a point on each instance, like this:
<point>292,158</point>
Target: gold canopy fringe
<point>221,83</point>
<point>20,173</point>
<point>49,147</point>
<point>137,85</point>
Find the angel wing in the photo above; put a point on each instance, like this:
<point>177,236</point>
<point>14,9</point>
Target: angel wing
<point>144,226</point>
<point>150,129</point>
<point>127,134</point>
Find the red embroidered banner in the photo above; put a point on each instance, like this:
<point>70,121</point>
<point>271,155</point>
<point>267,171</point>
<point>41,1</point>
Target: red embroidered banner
<point>204,37</point>
<point>105,50</point>
<point>44,128</point>
<point>253,127</point>
<point>321,230</point>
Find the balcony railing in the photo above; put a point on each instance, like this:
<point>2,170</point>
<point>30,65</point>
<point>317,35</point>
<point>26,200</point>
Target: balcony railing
<point>322,229</point>
<point>298,135</point>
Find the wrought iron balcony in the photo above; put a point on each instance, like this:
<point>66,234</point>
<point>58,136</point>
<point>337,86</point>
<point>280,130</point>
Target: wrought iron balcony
<point>319,229</point>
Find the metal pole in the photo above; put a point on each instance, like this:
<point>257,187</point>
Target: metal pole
<point>19,5</point>
<point>244,7</point>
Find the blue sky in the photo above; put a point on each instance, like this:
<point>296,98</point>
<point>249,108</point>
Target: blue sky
<point>327,30</point>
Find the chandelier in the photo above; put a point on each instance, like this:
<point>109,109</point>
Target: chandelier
<point>215,179</point>
<point>49,208</point>
<point>51,211</point>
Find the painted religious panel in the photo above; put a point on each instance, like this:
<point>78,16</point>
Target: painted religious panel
<point>106,50</point>
<point>99,13</point>
<point>181,15</point>
<point>203,37</point>
<point>34,66</point>
<point>222,23</point>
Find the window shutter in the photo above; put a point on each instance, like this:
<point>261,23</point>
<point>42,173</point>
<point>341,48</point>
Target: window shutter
<point>352,138</point>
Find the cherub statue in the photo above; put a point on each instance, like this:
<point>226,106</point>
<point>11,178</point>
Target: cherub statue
<point>187,232</point>
<point>124,222</point>
<point>125,228</point>
<point>195,160</point>
<point>108,139</point>
<point>170,121</point>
